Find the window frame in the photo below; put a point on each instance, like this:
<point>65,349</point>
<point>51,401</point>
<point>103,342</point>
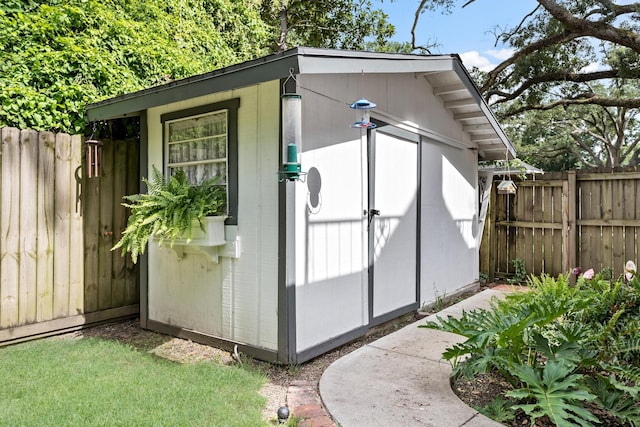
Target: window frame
<point>231,106</point>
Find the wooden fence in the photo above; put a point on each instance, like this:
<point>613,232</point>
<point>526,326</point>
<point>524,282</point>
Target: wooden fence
<point>558,221</point>
<point>57,227</point>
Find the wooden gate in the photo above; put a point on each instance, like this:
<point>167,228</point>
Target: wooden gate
<point>589,219</point>
<point>57,271</point>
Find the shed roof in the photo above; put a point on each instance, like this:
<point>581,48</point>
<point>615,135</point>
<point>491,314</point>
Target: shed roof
<point>445,73</point>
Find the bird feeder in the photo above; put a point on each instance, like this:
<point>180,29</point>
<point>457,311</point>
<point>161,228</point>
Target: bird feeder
<point>291,136</point>
<point>363,108</point>
<point>507,186</point>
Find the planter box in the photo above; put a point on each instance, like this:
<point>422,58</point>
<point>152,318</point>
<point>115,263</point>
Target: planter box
<point>208,242</point>
<point>212,236</point>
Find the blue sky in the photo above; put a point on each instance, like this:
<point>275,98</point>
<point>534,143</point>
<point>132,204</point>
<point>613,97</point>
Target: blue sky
<point>465,31</point>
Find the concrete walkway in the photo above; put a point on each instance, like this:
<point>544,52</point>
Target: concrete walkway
<point>401,379</point>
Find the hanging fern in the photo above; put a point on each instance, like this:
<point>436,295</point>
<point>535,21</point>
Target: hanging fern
<point>169,210</point>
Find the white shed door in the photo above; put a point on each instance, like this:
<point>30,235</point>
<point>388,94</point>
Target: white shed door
<point>393,198</point>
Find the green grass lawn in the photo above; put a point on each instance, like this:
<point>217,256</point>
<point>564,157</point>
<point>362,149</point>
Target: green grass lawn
<point>95,382</point>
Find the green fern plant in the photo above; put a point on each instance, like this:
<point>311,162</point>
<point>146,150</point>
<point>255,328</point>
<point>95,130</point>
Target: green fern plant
<point>168,210</point>
<point>498,409</point>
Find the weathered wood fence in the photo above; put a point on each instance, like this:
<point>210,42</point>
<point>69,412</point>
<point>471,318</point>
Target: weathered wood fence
<point>57,227</point>
<point>558,221</point>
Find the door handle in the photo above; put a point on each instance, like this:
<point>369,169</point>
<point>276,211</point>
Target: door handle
<point>371,213</point>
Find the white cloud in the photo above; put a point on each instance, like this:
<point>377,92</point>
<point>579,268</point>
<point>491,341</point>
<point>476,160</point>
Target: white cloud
<point>500,54</point>
<point>473,58</point>
<point>487,60</point>
<point>594,66</point>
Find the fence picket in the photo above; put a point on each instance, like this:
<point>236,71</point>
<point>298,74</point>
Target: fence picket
<point>28,218</point>
<point>62,233</point>
<point>45,226</point>
<point>10,228</point>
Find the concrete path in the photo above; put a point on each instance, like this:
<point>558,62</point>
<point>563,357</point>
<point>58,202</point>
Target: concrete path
<point>401,379</point>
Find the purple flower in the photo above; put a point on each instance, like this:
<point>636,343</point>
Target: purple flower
<point>588,275</point>
<point>576,271</point>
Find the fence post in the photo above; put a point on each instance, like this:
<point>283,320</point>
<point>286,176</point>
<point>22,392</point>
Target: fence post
<point>569,222</point>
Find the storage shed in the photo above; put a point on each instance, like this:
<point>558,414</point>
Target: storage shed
<point>375,215</point>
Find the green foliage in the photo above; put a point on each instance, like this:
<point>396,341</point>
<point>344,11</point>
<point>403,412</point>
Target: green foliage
<point>344,24</point>
<point>169,210</point>
<point>520,271</point>
<point>622,404</point>
<point>498,409</point>
<point>555,390</point>
<point>560,346</point>
<point>58,56</point>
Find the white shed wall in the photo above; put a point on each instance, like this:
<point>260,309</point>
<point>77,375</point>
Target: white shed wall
<point>449,252</point>
<point>237,298</point>
<point>331,242</point>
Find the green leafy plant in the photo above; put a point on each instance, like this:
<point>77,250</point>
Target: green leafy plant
<point>520,271</point>
<point>566,350</point>
<point>169,210</point>
<point>554,389</point>
<point>498,409</point>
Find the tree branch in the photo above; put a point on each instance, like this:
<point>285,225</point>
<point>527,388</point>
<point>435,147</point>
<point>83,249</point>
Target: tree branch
<point>552,77</point>
<point>594,100</point>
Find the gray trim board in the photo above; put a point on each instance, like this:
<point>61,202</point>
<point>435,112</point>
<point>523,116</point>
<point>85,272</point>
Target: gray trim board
<point>383,318</point>
<point>202,338</point>
<point>248,73</point>
<point>286,258</point>
<point>143,260</point>
<point>48,328</point>
<point>331,344</point>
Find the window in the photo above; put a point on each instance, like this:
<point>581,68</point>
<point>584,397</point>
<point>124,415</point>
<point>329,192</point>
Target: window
<point>202,141</point>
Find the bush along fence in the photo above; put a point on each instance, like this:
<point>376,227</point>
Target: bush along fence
<point>57,228</point>
<point>560,221</point>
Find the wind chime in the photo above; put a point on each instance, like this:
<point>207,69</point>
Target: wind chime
<point>93,156</point>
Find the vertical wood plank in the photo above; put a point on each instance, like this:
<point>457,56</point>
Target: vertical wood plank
<point>558,258</point>
<point>520,233</point>
<point>547,234</point>
<point>10,228</point>
<point>594,233</point>
<point>606,203</point>
<point>630,200</point>
<point>617,213</point>
<point>571,254</point>
<point>76,250</point>
<point>537,233</point>
<point>132,289</point>
<point>28,218</point>
<point>63,196</point>
<point>119,222</point>
<point>45,226</point>
<point>91,214</point>
<point>105,228</point>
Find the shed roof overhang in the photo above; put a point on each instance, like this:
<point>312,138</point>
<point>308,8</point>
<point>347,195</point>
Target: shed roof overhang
<point>445,73</point>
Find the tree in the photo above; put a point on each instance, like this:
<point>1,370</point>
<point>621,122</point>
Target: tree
<point>344,24</point>
<point>572,57</point>
<point>582,135</point>
<point>56,56</point>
